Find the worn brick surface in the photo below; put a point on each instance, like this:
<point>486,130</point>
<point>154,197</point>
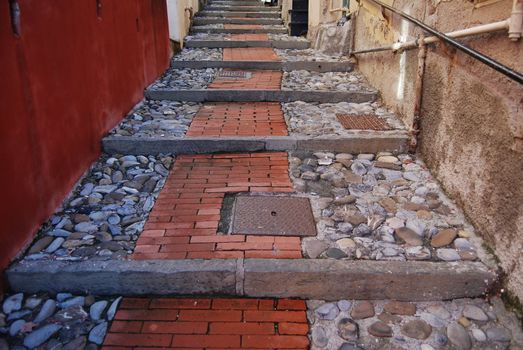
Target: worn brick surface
<point>208,324</point>
<point>250,54</point>
<point>249,37</point>
<point>258,80</point>
<point>184,221</point>
<point>239,119</point>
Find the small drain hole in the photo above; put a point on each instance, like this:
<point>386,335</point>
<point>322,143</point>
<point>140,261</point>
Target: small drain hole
<point>273,213</point>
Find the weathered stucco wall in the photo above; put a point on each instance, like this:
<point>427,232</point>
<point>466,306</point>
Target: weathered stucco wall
<point>180,13</point>
<point>472,117</point>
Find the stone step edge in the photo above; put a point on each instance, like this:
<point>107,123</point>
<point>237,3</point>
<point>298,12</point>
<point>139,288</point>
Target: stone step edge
<point>273,278</point>
<point>217,20</point>
<point>286,66</point>
<point>222,95</point>
<point>275,44</point>
<point>246,14</point>
<point>374,142</point>
<point>239,8</point>
<point>196,29</point>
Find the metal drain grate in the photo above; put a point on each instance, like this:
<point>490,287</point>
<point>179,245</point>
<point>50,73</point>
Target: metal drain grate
<point>273,216</point>
<point>233,74</point>
<point>362,122</point>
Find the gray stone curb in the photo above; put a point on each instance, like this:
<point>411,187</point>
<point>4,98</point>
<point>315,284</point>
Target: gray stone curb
<point>217,20</point>
<point>279,44</point>
<point>238,30</point>
<point>260,96</point>
<point>246,14</point>
<point>359,143</point>
<point>268,65</point>
<point>300,278</point>
<point>235,8</point>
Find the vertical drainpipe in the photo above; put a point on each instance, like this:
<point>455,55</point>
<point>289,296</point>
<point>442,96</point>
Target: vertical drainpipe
<point>418,91</point>
<point>515,30</point>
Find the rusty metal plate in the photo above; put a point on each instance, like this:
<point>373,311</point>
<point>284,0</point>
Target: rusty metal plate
<point>233,74</point>
<point>273,216</point>
<point>362,122</point>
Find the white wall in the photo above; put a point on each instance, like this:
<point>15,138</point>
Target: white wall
<point>179,14</point>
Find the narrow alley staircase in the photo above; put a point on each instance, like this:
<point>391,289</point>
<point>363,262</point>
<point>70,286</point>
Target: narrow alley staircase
<point>260,197</point>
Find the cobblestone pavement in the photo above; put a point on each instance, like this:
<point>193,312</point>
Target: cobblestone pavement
<point>105,212</point>
<point>380,207</point>
<point>457,324</point>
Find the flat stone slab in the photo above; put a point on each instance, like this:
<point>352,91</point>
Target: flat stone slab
<point>278,44</point>
<point>260,95</point>
<point>215,20</point>
<point>247,14</point>
<point>268,65</point>
<point>359,143</point>
<point>300,278</point>
<point>203,29</point>
<point>236,8</point>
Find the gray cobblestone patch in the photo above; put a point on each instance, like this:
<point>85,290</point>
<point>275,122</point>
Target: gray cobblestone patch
<point>308,55</point>
<point>62,321</point>
<point>158,119</point>
<point>380,207</point>
<point>185,79</point>
<point>348,324</point>
<point>317,120</point>
<point>330,81</point>
<point>106,211</point>
<point>199,54</point>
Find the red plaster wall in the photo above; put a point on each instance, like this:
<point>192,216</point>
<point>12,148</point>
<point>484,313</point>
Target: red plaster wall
<point>68,79</point>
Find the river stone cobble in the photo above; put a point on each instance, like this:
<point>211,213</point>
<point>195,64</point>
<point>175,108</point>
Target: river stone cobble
<point>309,55</point>
<point>209,26</point>
<point>320,119</point>
<point>199,54</point>
<point>185,79</point>
<point>158,119</point>
<point>285,37</point>
<point>106,211</point>
<point>364,203</point>
<point>385,331</point>
<point>330,81</point>
<point>52,322</point>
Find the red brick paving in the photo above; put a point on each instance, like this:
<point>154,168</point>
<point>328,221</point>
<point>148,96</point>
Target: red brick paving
<point>249,37</point>
<point>184,221</point>
<point>208,324</point>
<point>239,119</point>
<point>259,80</point>
<point>250,54</point>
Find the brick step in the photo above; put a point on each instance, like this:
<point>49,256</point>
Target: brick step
<point>226,95</point>
<point>247,14</point>
<point>287,66</point>
<point>209,323</point>
<point>277,44</point>
<point>281,278</point>
<point>216,20</point>
<point>271,30</point>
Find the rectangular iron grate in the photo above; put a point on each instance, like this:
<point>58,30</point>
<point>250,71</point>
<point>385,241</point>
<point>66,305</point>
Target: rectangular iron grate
<point>362,122</point>
<point>233,74</point>
<point>273,216</point>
